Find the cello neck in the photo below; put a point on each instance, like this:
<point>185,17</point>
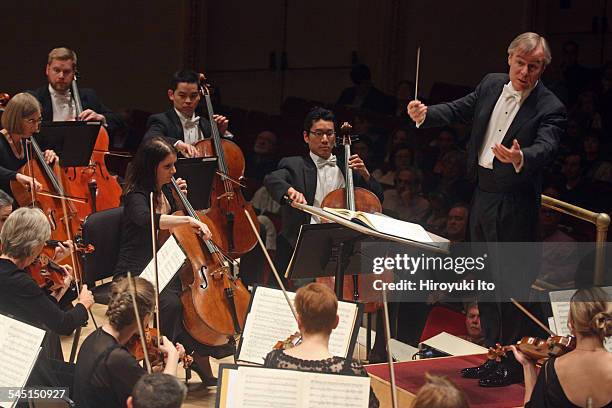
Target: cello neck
<point>47,169</point>
<point>216,137</point>
<point>350,186</point>
<point>76,96</point>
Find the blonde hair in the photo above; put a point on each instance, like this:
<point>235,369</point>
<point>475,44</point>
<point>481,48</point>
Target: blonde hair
<point>591,313</point>
<point>62,54</point>
<point>317,306</point>
<point>25,230</point>
<point>120,310</point>
<point>439,392</point>
<point>527,42</point>
<point>17,109</point>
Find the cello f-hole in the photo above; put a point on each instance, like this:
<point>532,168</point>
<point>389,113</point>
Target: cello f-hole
<point>204,283</point>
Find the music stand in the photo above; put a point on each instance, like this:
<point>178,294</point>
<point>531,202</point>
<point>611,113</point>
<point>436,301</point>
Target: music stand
<point>199,173</point>
<point>72,141</point>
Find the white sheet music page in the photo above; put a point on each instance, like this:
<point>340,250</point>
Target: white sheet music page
<point>270,320</point>
<point>170,258</point>
<point>265,387</point>
<point>20,344</point>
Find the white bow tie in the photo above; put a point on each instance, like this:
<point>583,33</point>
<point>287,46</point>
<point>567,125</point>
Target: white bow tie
<point>191,123</point>
<point>509,93</point>
<point>329,162</point>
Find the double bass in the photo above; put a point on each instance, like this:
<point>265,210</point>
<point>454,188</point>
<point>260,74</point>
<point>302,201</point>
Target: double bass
<point>227,204</point>
<point>214,301</point>
<point>354,199</point>
<point>93,181</point>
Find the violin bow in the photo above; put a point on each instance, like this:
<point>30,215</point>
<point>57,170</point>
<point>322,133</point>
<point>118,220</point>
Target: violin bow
<point>532,317</point>
<point>154,246</point>
<point>389,355</point>
<point>272,267</point>
<point>143,342</point>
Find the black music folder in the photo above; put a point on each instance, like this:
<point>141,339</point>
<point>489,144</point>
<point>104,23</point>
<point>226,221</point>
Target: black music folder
<point>72,141</point>
<point>199,173</point>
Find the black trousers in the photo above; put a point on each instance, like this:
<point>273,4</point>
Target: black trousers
<point>503,217</point>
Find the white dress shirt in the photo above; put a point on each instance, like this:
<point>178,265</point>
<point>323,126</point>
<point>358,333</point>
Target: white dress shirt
<point>504,112</point>
<point>191,128</point>
<point>63,105</point>
<point>329,178</point>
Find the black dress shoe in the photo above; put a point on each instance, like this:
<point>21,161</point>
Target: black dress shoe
<point>481,371</point>
<point>207,381</point>
<point>503,376</point>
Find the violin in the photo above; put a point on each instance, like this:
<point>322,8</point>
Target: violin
<point>93,181</point>
<point>535,348</point>
<point>354,199</point>
<point>227,204</point>
<point>46,272</point>
<point>214,301</point>
<point>294,340</point>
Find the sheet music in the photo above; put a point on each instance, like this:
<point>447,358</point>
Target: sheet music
<point>398,228</point>
<point>170,258</point>
<point>265,387</point>
<point>270,320</point>
<point>21,344</point>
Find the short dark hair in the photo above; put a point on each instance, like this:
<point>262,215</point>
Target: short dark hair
<point>316,114</point>
<point>360,73</point>
<point>185,75</point>
<point>158,390</point>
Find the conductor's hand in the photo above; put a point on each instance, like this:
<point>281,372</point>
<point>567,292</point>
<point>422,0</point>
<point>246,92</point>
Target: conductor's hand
<point>28,182</point>
<point>417,111</point>
<point>357,164</point>
<point>512,155</point>
<point>86,297</point>
<point>187,149</point>
<point>200,228</point>
<point>50,156</point>
<point>296,196</point>
<point>182,184</point>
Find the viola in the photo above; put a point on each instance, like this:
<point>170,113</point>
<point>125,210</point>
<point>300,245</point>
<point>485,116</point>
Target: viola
<point>94,181</point>
<point>227,204</point>
<point>535,348</point>
<point>214,301</point>
<point>46,272</point>
<point>354,199</point>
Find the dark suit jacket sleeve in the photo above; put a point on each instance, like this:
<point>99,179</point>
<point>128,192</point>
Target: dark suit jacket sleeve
<point>278,181</point>
<point>373,185</point>
<point>90,101</point>
<point>460,110</point>
<point>157,125</point>
<point>539,154</point>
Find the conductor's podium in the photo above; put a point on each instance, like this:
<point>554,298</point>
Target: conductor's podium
<point>410,376</point>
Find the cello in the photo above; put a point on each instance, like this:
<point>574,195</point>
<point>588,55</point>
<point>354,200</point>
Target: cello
<point>93,181</point>
<point>214,302</point>
<point>227,204</point>
<point>354,199</point>
<point>52,199</point>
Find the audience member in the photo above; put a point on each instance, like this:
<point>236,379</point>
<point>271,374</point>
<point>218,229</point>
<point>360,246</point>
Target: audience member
<point>402,157</point>
<point>363,94</point>
<point>405,200</point>
<point>472,325</point>
<point>456,223</point>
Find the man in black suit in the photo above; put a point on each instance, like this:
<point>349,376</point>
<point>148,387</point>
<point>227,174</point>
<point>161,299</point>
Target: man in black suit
<point>516,126</point>
<point>179,124</point>
<point>57,100</point>
<point>308,179</point>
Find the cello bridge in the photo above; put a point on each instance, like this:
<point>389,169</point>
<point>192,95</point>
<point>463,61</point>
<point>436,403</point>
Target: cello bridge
<point>229,195</point>
<point>219,272</point>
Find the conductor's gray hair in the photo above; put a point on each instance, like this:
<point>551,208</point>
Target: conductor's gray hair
<point>23,232</point>
<point>527,42</point>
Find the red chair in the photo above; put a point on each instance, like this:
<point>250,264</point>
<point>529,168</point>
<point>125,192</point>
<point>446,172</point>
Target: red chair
<point>442,319</point>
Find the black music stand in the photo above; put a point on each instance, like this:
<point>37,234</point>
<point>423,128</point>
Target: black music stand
<point>199,173</point>
<point>72,141</point>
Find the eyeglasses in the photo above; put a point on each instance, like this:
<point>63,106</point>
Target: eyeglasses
<point>32,121</point>
<point>319,133</point>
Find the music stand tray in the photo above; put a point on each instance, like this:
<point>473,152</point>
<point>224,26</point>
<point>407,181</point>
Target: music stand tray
<point>199,173</point>
<point>72,141</point>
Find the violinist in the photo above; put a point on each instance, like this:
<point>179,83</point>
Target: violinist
<point>106,372</point>
<point>151,171</point>
<point>20,121</point>
<point>308,179</point>
<point>179,124</point>
<point>583,373</point>
<point>317,315</point>
<point>23,237</point>
<point>57,100</point>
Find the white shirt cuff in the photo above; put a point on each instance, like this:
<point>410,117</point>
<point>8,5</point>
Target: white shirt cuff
<point>418,124</point>
<point>519,167</point>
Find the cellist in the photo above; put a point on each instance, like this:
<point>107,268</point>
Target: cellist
<point>151,171</point>
<point>179,124</point>
<point>20,121</point>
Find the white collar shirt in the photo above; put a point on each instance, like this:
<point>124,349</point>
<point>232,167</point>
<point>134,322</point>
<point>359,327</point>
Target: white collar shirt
<point>191,128</point>
<point>329,178</point>
<point>63,105</point>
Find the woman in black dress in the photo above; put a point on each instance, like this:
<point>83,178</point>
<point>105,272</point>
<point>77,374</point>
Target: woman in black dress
<point>316,306</point>
<point>151,172</point>
<point>585,372</point>
<point>20,120</point>
<point>106,372</point>
<point>23,237</point>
